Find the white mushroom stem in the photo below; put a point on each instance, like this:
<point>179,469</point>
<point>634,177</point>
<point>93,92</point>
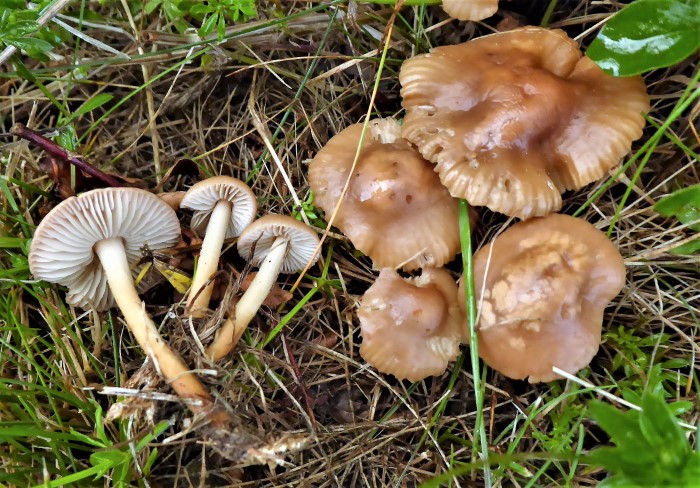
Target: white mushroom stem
<point>251,301</point>
<point>113,258</point>
<point>208,263</point>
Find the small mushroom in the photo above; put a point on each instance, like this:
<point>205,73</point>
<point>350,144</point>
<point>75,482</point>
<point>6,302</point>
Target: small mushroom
<point>513,119</point>
<point>411,328</point>
<point>470,9</point>
<point>395,211</point>
<point>542,287</point>
<point>223,206</point>
<point>276,244</point>
<point>88,243</point>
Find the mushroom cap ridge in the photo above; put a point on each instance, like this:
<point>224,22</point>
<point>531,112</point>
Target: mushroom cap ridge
<point>203,196</point>
<point>62,248</point>
<point>411,328</point>
<point>546,283</point>
<point>515,118</point>
<point>261,234</point>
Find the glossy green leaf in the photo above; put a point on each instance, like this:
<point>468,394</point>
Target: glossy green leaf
<point>647,34</point>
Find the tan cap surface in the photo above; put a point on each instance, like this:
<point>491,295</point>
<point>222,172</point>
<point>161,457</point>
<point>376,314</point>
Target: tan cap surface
<point>395,211</point>
<point>470,9</point>
<point>411,328</point>
<point>262,233</point>
<point>514,119</point>
<point>548,283</point>
<point>62,247</point>
<point>203,196</point>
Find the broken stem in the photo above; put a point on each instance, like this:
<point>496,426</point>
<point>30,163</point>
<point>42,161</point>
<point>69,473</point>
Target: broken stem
<point>58,152</point>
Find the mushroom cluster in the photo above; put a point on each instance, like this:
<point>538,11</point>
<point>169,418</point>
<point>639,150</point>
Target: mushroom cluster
<point>508,121</point>
<point>92,243</point>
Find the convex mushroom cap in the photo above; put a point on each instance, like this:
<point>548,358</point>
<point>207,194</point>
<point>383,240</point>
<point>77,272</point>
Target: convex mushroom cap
<point>258,239</point>
<point>546,283</point>
<point>224,206</point>
<point>62,249</point>
<point>276,244</point>
<point>395,211</point>
<point>203,196</point>
<point>470,9</point>
<point>513,119</point>
<point>411,328</point>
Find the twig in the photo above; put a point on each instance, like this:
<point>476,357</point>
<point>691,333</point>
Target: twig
<point>43,19</point>
<point>58,152</point>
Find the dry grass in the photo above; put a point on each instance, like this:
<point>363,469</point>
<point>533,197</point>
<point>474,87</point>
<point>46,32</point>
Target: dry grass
<point>308,79</point>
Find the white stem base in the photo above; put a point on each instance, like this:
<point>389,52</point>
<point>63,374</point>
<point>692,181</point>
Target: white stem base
<point>249,304</point>
<point>112,255</point>
<point>208,262</point>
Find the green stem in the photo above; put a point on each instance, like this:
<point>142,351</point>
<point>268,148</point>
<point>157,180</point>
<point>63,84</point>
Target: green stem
<point>470,297</point>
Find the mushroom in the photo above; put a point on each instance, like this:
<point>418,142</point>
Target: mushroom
<point>88,243</point>
<point>470,9</point>
<point>276,244</point>
<point>411,328</point>
<point>542,287</point>
<point>513,119</point>
<point>395,210</point>
<point>224,206</point>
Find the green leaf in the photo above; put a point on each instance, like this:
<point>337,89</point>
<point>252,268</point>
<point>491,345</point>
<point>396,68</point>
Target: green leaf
<point>30,44</point>
<point>688,248</point>
<point>660,429</point>
<point>92,103</point>
<point>110,458</point>
<point>647,34</point>
<point>678,201</point>
<point>208,26</point>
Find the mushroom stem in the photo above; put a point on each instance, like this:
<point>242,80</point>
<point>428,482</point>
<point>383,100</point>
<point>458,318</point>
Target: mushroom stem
<point>208,263</point>
<point>112,255</point>
<point>249,304</point>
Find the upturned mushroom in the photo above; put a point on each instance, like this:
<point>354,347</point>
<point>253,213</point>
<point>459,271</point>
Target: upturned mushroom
<point>470,9</point>
<point>514,119</point>
<point>223,206</point>
<point>395,210</point>
<point>542,287</point>
<point>88,244</point>
<point>411,328</point>
<point>276,244</point>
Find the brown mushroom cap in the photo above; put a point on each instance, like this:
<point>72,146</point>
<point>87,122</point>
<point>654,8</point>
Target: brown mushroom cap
<point>514,119</point>
<point>395,211</point>
<point>470,9</point>
<point>411,328</point>
<point>546,282</point>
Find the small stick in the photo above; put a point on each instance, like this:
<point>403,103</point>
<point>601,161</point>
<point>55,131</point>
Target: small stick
<point>58,152</point>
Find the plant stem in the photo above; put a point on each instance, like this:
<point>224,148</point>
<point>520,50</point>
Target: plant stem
<point>208,263</point>
<point>470,296</point>
<point>250,302</point>
<point>63,154</point>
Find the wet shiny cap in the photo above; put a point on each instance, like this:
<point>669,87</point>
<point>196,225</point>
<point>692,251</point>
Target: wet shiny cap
<point>546,283</point>
<point>395,211</point>
<point>470,9</point>
<point>411,328</point>
<point>513,119</point>
<point>261,234</point>
<point>62,248</point>
<point>203,196</point>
